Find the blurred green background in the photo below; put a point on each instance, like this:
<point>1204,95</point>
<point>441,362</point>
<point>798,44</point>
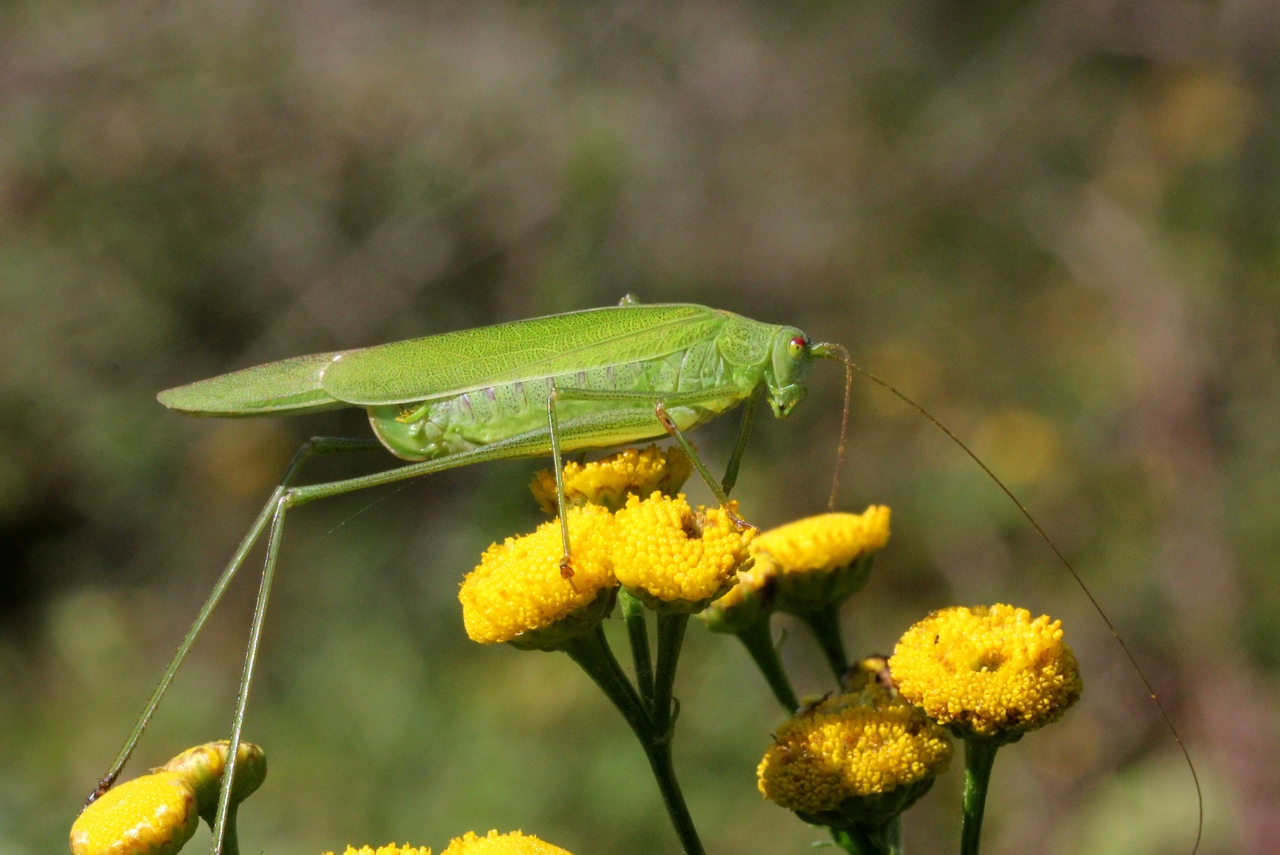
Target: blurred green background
<point>1054,223</point>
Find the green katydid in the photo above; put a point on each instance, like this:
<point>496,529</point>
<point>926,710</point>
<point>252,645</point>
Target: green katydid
<point>587,379</point>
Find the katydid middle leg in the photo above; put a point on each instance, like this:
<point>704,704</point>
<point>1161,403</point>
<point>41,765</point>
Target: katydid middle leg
<point>659,404</point>
<point>740,447</point>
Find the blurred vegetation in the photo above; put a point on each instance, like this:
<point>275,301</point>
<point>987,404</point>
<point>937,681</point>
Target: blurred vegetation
<point>1054,223</point>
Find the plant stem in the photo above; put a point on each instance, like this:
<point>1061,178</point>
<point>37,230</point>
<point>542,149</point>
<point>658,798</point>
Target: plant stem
<point>758,640</point>
<point>979,757</point>
<point>591,651</point>
<point>670,639</point>
<point>659,755</point>
<point>825,624</point>
<point>638,633</point>
<point>884,840</point>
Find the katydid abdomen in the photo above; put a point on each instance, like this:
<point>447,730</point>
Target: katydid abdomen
<point>437,427</point>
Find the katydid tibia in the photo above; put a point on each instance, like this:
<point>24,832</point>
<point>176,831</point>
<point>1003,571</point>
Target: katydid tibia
<point>587,379</point>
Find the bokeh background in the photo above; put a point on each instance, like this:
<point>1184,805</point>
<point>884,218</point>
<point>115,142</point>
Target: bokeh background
<point>1054,223</point>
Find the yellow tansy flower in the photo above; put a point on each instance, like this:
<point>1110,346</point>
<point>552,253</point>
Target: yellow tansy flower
<point>494,843</point>
<point>151,815</point>
<point>608,482</point>
<point>673,557</point>
<point>987,671</point>
<point>518,594</point>
<point>748,601</point>
<point>821,560</point>
<point>389,849</point>
<point>854,760</point>
<point>202,768</point>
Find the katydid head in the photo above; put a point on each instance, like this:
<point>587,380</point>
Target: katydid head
<point>793,354</point>
<point>791,358</point>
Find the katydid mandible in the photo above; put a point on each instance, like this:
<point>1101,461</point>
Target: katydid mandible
<point>587,379</point>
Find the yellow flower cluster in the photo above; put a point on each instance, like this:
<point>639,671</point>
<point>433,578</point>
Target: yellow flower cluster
<point>749,601</point>
<point>494,843</point>
<point>822,543</point>
<point>518,587</point>
<point>203,765</point>
<point>156,814</point>
<point>807,565</point>
<point>665,551</point>
<point>849,747</point>
<point>609,481</point>
<point>987,671</point>
<point>152,815</point>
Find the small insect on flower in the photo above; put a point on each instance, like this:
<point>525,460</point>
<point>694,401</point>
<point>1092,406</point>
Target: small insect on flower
<point>494,843</point>
<point>610,480</point>
<point>987,671</point>
<point>854,761</point>
<point>675,558</point>
<point>517,593</point>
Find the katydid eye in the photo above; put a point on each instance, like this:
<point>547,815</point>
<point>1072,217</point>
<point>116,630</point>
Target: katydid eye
<point>797,346</point>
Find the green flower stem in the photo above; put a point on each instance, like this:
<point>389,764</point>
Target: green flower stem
<point>979,757</point>
<point>886,840</point>
<point>825,623</point>
<point>671,629</point>
<point>758,640</point>
<point>591,651</point>
<point>659,754</point>
<point>893,835</point>
<point>638,633</point>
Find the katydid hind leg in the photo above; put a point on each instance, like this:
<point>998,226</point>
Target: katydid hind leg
<point>246,677</point>
<point>315,447</point>
<point>557,465</point>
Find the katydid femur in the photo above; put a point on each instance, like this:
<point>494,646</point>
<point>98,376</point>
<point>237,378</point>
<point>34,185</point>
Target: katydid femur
<point>579,380</point>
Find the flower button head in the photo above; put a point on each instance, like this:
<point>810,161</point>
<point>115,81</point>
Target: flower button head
<point>610,480</point>
<point>389,849</point>
<point>747,603</point>
<point>494,843</point>
<point>819,561</point>
<point>987,672</point>
<point>675,558</point>
<point>854,761</point>
<point>519,594</point>
<point>156,814</point>
<point>202,767</point>
<point>151,815</point>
